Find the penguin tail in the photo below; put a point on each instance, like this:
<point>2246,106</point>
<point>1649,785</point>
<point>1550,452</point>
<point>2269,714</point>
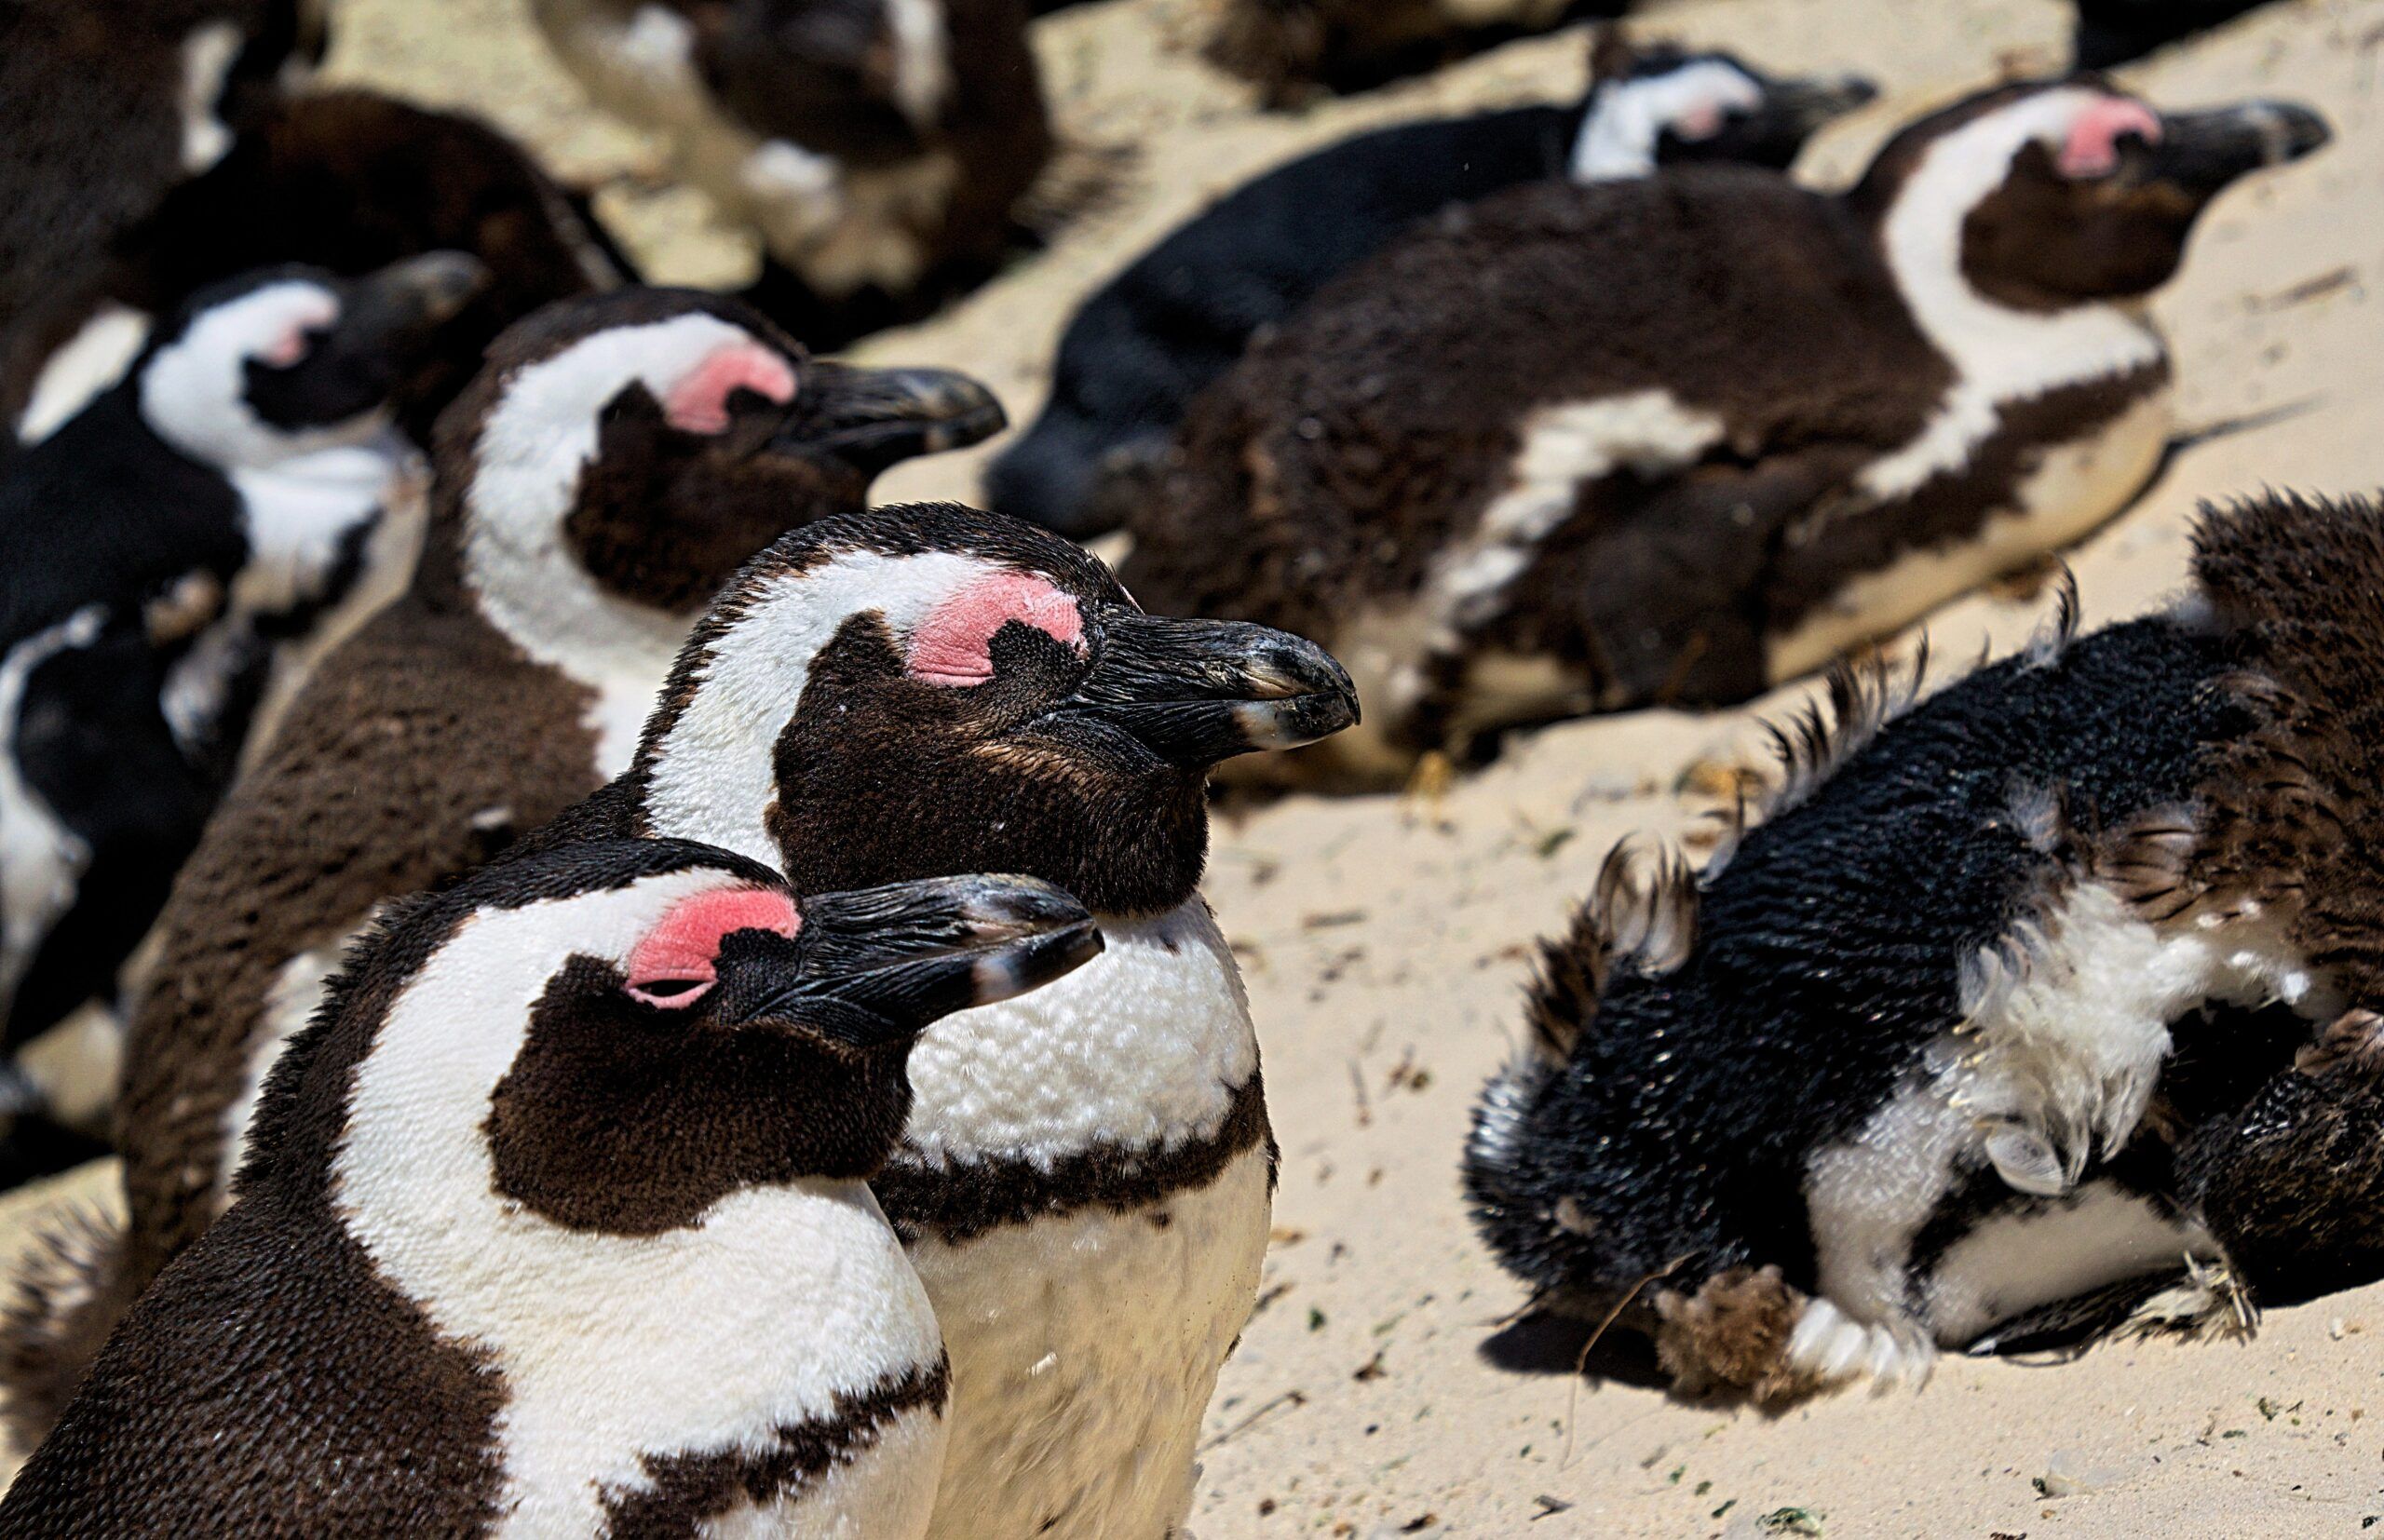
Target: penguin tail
<point>74,1285</point>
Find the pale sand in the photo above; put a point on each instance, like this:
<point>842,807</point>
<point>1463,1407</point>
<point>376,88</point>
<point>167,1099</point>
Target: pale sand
<point>1384,942</point>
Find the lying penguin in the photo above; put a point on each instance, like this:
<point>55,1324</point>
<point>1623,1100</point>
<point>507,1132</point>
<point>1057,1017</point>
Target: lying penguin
<point>877,147</point>
<point>2116,32</point>
<point>104,109</point>
<point>239,495</point>
<point>1575,448</point>
<point>2060,980</point>
<point>616,461</point>
<point>1292,49</point>
<point>555,1224</point>
<point>346,181</point>
<point>1105,1140</point>
<point>1144,345</point>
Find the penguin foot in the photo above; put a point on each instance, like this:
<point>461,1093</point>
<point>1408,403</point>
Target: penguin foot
<point>1747,1329</point>
<point>1831,1348</point>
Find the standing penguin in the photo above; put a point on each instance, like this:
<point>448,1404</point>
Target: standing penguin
<point>342,180</point>
<point>237,496</point>
<point>1578,449</point>
<point>918,691</point>
<point>104,109</point>
<point>555,1224</point>
<point>877,146</point>
<point>2063,978</point>
<point>616,461</point>
<point>2116,32</point>
<point>1146,343</point>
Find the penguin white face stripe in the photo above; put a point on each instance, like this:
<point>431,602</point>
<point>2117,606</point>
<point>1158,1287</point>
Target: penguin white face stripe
<point>712,777</point>
<point>922,67</point>
<point>194,390</point>
<point>1619,137</point>
<point>1999,353</point>
<point>90,362</point>
<point>678,1314</point>
<point>534,449</point>
<point>208,52</point>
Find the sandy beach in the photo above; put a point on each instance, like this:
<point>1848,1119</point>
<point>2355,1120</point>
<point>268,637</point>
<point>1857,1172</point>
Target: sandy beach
<point>1380,1390</point>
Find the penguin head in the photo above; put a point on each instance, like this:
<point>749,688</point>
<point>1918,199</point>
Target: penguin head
<point>865,82</point>
<point>1659,104</point>
<point>616,1036</point>
<point>2051,195</point>
<point>650,440</point>
<point>917,691</point>
<point>288,360</point>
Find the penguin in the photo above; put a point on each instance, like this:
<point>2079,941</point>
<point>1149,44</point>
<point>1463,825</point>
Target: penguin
<point>2060,979</point>
<point>1672,441</point>
<point>104,109</point>
<point>2111,32</point>
<point>1291,49</point>
<point>557,1223</point>
<point>347,181</point>
<point>877,147</point>
<point>192,532</point>
<point>1144,345</point>
<point>922,690</point>
<point>617,459</point>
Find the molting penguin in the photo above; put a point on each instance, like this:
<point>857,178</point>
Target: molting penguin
<point>555,1224</point>
<point>346,181</point>
<point>923,690</point>
<point>616,461</point>
<point>2062,979</point>
<point>2114,32</point>
<point>1144,345</point>
<point>236,498</point>
<point>1573,449</point>
<point>1292,49</point>
<point>105,108</point>
<point>877,146</point>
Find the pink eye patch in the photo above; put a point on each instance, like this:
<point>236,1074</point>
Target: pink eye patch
<point>699,403</point>
<point>286,349</point>
<point>2092,148</point>
<point>955,644</point>
<point>676,965</point>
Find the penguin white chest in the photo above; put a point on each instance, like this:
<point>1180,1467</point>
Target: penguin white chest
<point>42,862</point>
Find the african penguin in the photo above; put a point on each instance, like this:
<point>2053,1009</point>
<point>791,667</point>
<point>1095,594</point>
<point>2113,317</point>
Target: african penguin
<point>877,147</point>
<point>347,181</point>
<point>923,690</point>
<point>239,494</point>
<point>1576,448</point>
<point>1291,49</point>
<point>556,1224</point>
<point>618,460</point>
<point>104,108</point>
<point>1146,343</point>
<point>2115,31</point>
<point>2060,978</point>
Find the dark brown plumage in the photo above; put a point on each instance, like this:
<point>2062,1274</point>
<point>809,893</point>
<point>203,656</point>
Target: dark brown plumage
<point>1293,49</point>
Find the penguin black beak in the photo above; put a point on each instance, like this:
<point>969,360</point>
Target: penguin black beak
<point>1804,105</point>
<point>397,308</point>
<point>1195,692</point>
<point>2199,154</point>
<point>1774,134</point>
<point>872,419</point>
<point>876,966</point>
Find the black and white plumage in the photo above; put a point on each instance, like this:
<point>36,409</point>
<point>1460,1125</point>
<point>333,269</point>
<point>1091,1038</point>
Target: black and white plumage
<point>157,554</point>
<point>1139,350</point>
<point>2062,979</point>
<point>555,1224</point>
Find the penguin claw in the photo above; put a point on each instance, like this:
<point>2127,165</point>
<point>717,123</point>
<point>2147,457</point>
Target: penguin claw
<point>1830,1347</point>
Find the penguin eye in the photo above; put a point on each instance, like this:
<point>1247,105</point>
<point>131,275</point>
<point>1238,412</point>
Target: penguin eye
<point>954,646</point>
<point>676,965</point>
<point>287,348</point>
<point>700,401</point>
<point>2093,148</point>
<point>669,993</point>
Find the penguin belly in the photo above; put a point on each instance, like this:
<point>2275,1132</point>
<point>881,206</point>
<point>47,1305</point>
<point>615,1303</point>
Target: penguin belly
<point>1104,1332</point>
<point>2072,490</point>
<point>2034,1255</point>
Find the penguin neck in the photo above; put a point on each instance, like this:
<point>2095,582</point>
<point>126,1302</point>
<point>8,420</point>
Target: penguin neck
<point>1616,139</point>
<point>2001,354</point>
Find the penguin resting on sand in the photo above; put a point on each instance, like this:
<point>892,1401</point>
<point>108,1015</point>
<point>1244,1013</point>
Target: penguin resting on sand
<point>877,147</point>
<point>2065,978</point>
<point>2117,31</point>
<point>923,690</point>
<point>618,460</point>
<point>555,1224</point>
<point>1146,343</point>
<point>1573,449</point>
<point>342,180</point>
<point>239,495</point>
